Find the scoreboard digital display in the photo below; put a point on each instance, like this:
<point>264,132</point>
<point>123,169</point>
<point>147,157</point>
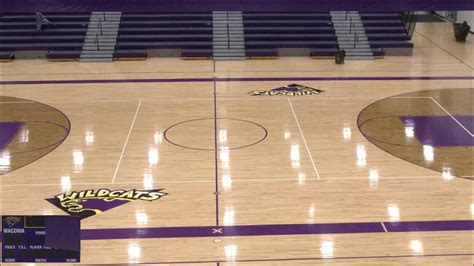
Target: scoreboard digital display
<point>40,239</point>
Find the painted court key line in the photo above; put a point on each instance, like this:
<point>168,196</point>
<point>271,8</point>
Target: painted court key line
<point>276,229</point>
<point>446,111</point>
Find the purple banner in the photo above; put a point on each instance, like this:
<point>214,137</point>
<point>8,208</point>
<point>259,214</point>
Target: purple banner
<point>243,5</point>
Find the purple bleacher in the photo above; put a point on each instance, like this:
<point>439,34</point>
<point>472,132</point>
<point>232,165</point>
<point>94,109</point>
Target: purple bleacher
<point>163,45</point>
<point>49,32</point>
<point>180,30</point>
<point>283,30</point>
<point>268,52</point>
<point>64,54</point>
<point>385,36</point>
<point>6,55</point>
<point>137,53</point>
<point>165,16</point>
<point>164,37</point>
<point>291,44</point>
<point>391,44</point>
<point>166,23</point>
<point>191,32</point>
<point>385,30</point>
<point>201,53</point>
<point>40,39</point>
<point>324,52</point>
<point>52,17</point>
<point>39,46</point>
<point>266,32</point>
<point>291,36</point>
<point>287,16</point>
<point>287,23</point>
<point>62,39</point>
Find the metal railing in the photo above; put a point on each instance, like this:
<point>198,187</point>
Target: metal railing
<point>96,41</point>
<point>409,20</point>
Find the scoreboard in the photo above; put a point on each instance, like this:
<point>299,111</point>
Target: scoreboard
<point>40,239</point>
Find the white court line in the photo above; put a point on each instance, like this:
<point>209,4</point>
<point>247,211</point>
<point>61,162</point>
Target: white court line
<point>384,228</point>
<point>233,180</point>
<point>126,140</point>
<point>446,111</point>
<point>304,140</point>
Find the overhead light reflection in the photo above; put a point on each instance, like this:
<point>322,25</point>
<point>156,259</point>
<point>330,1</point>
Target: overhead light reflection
<point>393,212</point>
<point>134,251</point>
<point>295,155</point>
<point>301,178</point>
<point>361,155</point>
<point>78,158</point>
<point>158,137</point>
<point>141,217</point>
<point>409,131</point>
<point>89,138</point>
<point>446,173</point>
<point>66,183</point>
<point>327,249</point>
<point>5,161</point>
<point>416,246</point>
<point>24,136</point>
<point>311,211</point>
<point>428,153</point>
<point>230,252</point>
<point>226,182</point>
<point>373,177</point>
<point>224,155</point>
<point>229,215</point>
<point>222,135</point>
<point>346,132</point>
<point>153,156</point>
<point>148,181</point>
<point>287,135</point>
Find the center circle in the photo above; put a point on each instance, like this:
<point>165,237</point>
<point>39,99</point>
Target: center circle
<point>207,133</point>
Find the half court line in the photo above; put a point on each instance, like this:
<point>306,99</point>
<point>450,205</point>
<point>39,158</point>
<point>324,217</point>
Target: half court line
<point>126,141</point>
<point>216,165</point>
<point>446,111</point>
<point>304,140</point>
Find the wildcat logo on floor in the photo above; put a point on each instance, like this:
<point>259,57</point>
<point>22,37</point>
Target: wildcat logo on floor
<point>90,202</point>
<point>288,90</point>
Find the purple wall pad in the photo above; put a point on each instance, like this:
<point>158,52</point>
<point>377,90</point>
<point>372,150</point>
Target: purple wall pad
<point>430,226</point>
<point>440,131</point>
<point>241,230</point>
<point>242,5</point>
<point>193,80</point>
<point>8,131</point>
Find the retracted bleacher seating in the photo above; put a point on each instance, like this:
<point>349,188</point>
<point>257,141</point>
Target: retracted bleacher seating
<point>62,40</point>
<point>175,34</point>
<point>273,34</point>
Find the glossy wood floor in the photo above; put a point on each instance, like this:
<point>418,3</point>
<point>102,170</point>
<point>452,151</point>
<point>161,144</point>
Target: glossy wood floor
<point>294,160</point>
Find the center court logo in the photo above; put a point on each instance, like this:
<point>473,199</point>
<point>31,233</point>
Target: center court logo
<point>288,90</point>
<point>90,202</point>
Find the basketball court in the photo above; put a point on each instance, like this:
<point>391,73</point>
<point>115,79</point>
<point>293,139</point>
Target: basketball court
<point>372,166</point>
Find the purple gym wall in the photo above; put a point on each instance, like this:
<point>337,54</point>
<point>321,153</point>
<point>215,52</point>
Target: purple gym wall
<point>244,5</point>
